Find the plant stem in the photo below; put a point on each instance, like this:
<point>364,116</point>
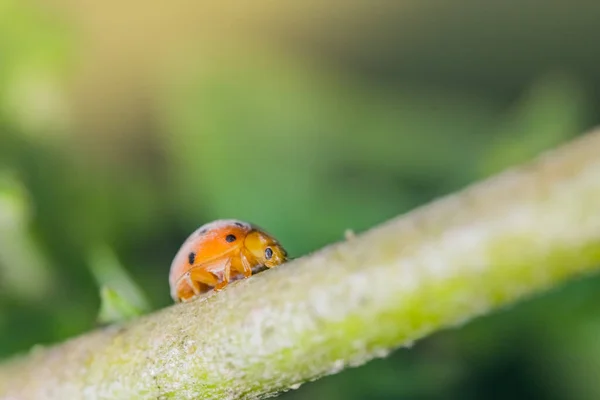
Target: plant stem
<point>507,238</point>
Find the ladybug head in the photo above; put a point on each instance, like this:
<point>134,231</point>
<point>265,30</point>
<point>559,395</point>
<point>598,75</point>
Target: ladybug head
<point>265,248</point>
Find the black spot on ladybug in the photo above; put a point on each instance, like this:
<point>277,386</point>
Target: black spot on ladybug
<point>239,224</point>
<point>191,257</point>
<point>268,253</point>
<point>230,238</point>
<point>202,231</point>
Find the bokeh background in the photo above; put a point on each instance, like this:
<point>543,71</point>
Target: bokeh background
<point>124,125</point>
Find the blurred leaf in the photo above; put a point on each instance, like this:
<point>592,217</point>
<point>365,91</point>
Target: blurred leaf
<point>34,48</point>
<point>551,112</point>
<point>115,308</point>
<point>120,295</point>
<point>25,273</point>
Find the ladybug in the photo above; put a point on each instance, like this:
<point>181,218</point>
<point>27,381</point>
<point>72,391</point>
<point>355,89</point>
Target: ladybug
<point>220,252</point>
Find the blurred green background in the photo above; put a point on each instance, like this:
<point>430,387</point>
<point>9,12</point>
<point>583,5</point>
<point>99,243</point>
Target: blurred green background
<point>124,125</point>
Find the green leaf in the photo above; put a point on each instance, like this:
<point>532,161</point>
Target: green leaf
<point>121,297</point>
<point>115,308</point>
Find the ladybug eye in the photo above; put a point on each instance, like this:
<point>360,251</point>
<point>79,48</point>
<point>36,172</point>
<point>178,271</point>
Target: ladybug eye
<point>268,253</point>
<point>230,238</point>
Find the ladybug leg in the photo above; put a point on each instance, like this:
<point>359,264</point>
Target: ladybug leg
<point>195,287</point>
<point>246,265</point>
<point>197,275</point>
<point>226,276</point>
<point>189,285</point>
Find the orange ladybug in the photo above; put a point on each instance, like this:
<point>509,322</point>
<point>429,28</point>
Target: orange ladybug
<point>219,252</point>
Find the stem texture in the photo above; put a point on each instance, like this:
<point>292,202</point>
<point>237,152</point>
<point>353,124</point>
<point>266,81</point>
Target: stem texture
<point>488,246</point>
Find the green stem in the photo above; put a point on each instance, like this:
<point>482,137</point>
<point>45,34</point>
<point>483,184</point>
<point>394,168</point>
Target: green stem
<point>460,257</point>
